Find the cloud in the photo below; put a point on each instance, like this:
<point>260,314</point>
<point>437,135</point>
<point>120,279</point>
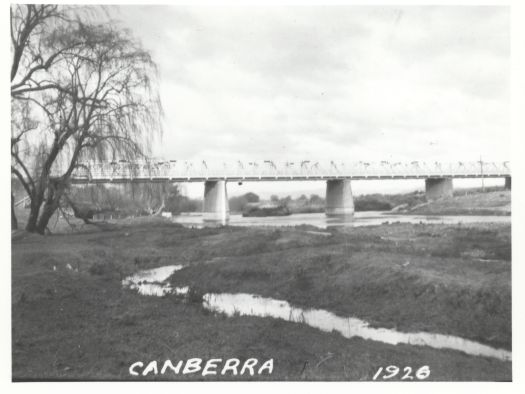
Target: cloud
<point>344,82</point>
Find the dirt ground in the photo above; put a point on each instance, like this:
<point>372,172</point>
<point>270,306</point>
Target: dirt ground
<point>71,318</point>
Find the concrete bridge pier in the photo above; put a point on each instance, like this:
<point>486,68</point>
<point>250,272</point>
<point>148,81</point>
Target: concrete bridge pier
<point>216,207</point>
<point>508,181</point>
<point>339,199</point>
<point>436,188</point>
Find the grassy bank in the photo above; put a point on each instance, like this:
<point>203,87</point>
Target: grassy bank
<point>73,320</point>
<point>488,203</point>
<point>451,280</point>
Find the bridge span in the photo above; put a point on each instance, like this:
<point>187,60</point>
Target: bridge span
<point>338,175</point>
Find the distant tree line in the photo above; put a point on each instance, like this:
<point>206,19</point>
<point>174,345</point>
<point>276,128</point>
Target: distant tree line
<point>239,203</point>
<point>386,202</point>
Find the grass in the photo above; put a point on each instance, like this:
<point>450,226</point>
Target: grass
<point>438,283</point>
<point>475,203</point>
<point>81,324</point>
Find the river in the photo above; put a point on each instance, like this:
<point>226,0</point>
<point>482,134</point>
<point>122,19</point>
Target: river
<point>369,218</point>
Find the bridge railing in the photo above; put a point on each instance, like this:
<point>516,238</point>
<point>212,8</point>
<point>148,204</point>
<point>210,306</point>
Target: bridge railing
<point>280,170</point>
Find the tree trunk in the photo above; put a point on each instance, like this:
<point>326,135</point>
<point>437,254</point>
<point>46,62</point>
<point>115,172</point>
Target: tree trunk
<point>36,202</point>
<point>14,222</point>
<point>48,210</point>
<point>54,194</point>
<point>55,191</point>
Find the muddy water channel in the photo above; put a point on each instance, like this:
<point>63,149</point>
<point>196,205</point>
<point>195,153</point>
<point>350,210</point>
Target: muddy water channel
<point>154,282</point>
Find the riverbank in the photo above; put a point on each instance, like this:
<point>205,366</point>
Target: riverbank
<point>494,201</point>
<point>480,204</point>
<point>72,319</point>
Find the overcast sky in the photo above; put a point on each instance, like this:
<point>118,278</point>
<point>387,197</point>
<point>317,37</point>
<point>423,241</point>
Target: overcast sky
<point>350,83</point>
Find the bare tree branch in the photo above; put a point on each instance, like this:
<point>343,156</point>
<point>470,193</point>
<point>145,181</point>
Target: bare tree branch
<point>95,96</point>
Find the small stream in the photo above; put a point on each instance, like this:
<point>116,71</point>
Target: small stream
<point>153,282</point>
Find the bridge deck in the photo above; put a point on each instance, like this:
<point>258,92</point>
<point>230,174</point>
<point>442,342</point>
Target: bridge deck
<point>185,171</point>
<point>160,179</point>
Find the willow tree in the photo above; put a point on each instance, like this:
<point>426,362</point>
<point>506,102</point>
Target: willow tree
<point>98,100</point>
<point>28,25</point>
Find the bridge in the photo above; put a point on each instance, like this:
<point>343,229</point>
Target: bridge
<point>338,176</point>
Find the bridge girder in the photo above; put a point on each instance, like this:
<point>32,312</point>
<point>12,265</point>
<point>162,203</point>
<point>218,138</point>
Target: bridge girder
<point>269,170</point>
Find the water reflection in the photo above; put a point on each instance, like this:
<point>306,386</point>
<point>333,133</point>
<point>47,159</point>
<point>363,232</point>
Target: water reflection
<point>320,220</point>
<point>154,282</point>
<point>251,305</point>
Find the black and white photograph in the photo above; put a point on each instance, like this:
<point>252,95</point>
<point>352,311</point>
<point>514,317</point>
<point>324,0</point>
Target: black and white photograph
<point>261,193</point>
